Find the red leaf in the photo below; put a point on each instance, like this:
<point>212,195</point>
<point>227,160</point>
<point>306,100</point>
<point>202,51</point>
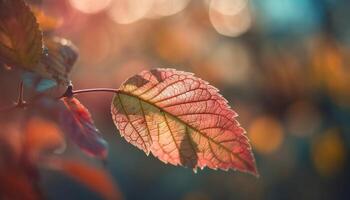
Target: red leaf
<point>182,120</point>
<point>79,126</point>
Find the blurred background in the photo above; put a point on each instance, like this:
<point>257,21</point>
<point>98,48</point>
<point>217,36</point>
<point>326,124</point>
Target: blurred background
<point>284,66</point>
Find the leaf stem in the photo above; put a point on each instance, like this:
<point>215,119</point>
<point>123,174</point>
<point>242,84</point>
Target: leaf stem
<point>95,90</point>
<point>69,93</point>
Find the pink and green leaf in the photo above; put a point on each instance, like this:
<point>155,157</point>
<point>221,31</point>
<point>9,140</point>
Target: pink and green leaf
<point>182,120</point>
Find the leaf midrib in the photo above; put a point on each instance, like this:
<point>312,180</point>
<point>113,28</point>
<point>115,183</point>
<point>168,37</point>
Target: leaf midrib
<point>186,124</point>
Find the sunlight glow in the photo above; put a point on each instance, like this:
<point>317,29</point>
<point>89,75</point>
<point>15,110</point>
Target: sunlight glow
<point>232,63</point>
<point>167,7</point>
<point>90,6</point>
<point>228,7</point>
<point>232,20</point>
<point>129,11</point>
<point>266,134</point>
<point>93,54</point>
<point>329,153</point>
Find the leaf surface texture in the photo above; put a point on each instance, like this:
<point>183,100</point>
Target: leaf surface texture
<point>182,120</point>
<point>20,36</point>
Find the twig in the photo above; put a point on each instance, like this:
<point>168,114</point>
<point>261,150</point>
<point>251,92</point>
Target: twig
<point>20,103</point>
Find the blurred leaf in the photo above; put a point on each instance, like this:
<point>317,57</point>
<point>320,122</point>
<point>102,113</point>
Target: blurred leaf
<point>58,59</point>
<point>20,37</point>
<point>11,146</point>
<point>79,126</point>
<point>42,136</point>
<point>16,185</point>
<point>46,22</point>
<point>182,120</point>
<point>36,82</point>
<point>94,178</point>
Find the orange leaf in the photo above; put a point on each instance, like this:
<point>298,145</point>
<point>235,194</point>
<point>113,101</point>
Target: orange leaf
<point>42,136</point>
<point>94,178</point>
<point>182,120</point>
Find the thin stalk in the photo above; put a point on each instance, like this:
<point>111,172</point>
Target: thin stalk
<point>69,93</point>
<point>20,100</point>
<point>95,90</point>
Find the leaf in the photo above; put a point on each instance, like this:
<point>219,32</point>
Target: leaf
<point>58,59</point>
<point>94,178</point>
<point>79,126</point>
<point>36,82</point>
<point>20,36</point>
<point>182,120</point>
<point>42,136</point>
<point>21,43</point>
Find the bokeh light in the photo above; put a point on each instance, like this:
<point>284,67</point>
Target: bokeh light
<point>230,22</point>
<point>232,63</point>
<point>90,6</point>
<point>283,66</point>
<point>329,65</point>
<point>179,45</point>
<point>166,7</point>
<point>329,153</point>
<point>228,7</point>
<point>129,11</point>
<point>266,134</point>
